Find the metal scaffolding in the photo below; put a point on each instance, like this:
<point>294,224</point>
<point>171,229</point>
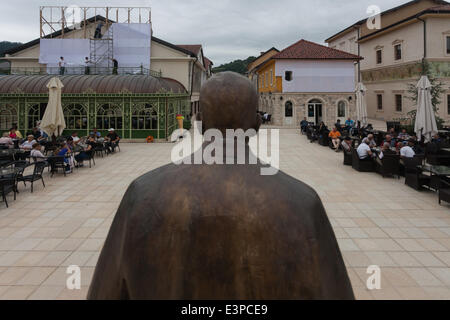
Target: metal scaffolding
<point>54,18</point>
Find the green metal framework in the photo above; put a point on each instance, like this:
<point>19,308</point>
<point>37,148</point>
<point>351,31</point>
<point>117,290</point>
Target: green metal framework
<point>133,116</point>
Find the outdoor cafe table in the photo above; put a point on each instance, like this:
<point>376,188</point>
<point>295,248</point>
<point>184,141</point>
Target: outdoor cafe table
<point>442,171</point>
<point>5,172</point>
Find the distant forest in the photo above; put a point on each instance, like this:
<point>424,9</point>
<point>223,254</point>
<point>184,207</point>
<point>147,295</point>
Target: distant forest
<point>239,66</point>
<point>6,45</point>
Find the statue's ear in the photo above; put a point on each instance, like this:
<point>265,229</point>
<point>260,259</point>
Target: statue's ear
<point>258,122</point>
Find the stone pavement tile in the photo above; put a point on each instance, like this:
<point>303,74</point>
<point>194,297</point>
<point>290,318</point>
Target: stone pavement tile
<point>30,259</point>
<point>431,245</point>
<point>375,232</point>
<point>13,274</point>
<point>364,222</point>
<point>356,259</point>
<point>347,245</point>
<point>54,258</point>
<point>397,277</point>
<point>438,293</point>
<point>381,259</point>
<point>442,274</point>
<point>356,233</point>
<point>17,293</point>
<point>423,277</point>
<point>404,259</point>
<point>413,293</point>
<point>92,245</point>
<point>388,293</point>
<point>69,245</point>
<point>444,257</point>
<point>83,232</point>
<point>338,232</point>
<point>49,244</point>
<point>362,293</point>
<point>9,258</point>
<point>67,294</point>
<point>377,244</point>
<point>78,258</point>
<point>36,276</point>
<point>46,293</point>
<point>92,262</point>
<point>410,245</point>
<point>27,244</point>
<point>346,222</point>
<point>395,232</point>
<point>414,233</point>
<point>427,259</point>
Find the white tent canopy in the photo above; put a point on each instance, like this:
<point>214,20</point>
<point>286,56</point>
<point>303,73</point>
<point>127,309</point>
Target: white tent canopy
<point>425,125</point>
<point>53,121</point>
<point>361,104</point>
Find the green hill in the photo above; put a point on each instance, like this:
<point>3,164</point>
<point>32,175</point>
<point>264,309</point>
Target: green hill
<point>239,66</point>
<point>6,45</point>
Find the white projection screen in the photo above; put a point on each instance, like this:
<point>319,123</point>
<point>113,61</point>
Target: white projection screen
<point>132,44</point>
<point>74,51</point>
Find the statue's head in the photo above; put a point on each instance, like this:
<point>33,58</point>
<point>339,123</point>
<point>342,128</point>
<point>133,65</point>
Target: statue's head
<point>229,101</point>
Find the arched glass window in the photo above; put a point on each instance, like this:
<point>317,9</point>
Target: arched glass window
<point>341,109</point>
<point>109,116</point>
<point>144,117</point>
<point>288,109</point>
<point>75,116</point>
<point>35,114</point>
<point>8,117</point>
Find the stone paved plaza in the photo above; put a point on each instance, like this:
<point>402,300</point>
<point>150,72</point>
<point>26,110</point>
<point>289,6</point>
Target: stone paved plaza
<point>377,222</point>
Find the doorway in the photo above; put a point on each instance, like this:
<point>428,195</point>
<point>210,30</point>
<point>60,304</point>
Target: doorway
<point>315,111</point>
<point>288,113</point>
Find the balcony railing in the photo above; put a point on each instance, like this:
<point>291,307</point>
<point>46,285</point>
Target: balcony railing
<point>81,70</point>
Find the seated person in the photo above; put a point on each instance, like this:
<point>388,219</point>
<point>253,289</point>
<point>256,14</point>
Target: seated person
<point>303,124</point>
<point>364,151</point>
<point>83,155</point>
<point>63,152</point>
<point>349,123</point>
<point>6,140</point>
<point>371,140</point>
<point>385,149</point>
<point>17,132</point>
<point>13,134</point>
<point>28,144</point>
<point>95,133</point>
<point>389,140</point>
<point>407,151</point>
<point>338,125</point>
<point>36,153</point>
<point>436,139</point>
<point>347,144</point>
<point>403,135</point>
<point>334,135</point>
<point>36,133</point>
<point>112,139</point>
<point>75,138</point>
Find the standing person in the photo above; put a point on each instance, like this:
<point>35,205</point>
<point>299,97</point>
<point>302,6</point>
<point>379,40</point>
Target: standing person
<point>87,66</point>
<point>98,31</point>
<point>112,139</point>
<point>62,66</point>
<point>303,125</point>
<point>334,135</point>
<point>115,66</point>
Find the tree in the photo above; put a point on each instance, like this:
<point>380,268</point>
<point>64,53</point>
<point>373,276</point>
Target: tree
<point>239,66</point>
<point>437,89</point>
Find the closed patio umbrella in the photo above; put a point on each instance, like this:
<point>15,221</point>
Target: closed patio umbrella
<point>425,125</point>
<point>361,105</point>
<point>53,122</point>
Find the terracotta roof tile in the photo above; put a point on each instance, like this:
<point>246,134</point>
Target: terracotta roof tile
<point>304,49</point>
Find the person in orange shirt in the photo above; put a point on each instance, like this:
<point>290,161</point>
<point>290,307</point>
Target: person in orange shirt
<point>334,135</point>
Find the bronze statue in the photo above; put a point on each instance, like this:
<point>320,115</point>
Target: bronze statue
<point>221,231</point>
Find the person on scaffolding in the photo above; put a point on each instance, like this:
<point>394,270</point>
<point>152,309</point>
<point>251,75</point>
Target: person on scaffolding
<point>87,66</point>
<point>115,66</point>
<point>98,31</point>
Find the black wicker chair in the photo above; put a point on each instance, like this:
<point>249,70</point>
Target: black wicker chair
<point>348,158</point>
<point>390,165</point>
<point>444,191</point>
<point>8,185</point>
<point>413,174</point>
<point>37,174</point>
<point>361,165</point>
<point>57,162</point>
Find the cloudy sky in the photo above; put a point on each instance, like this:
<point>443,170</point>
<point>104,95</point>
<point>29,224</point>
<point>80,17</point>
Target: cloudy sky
<point>227,29</point>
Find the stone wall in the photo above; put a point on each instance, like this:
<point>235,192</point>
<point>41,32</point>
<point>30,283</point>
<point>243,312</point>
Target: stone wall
<point>274,104</point>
